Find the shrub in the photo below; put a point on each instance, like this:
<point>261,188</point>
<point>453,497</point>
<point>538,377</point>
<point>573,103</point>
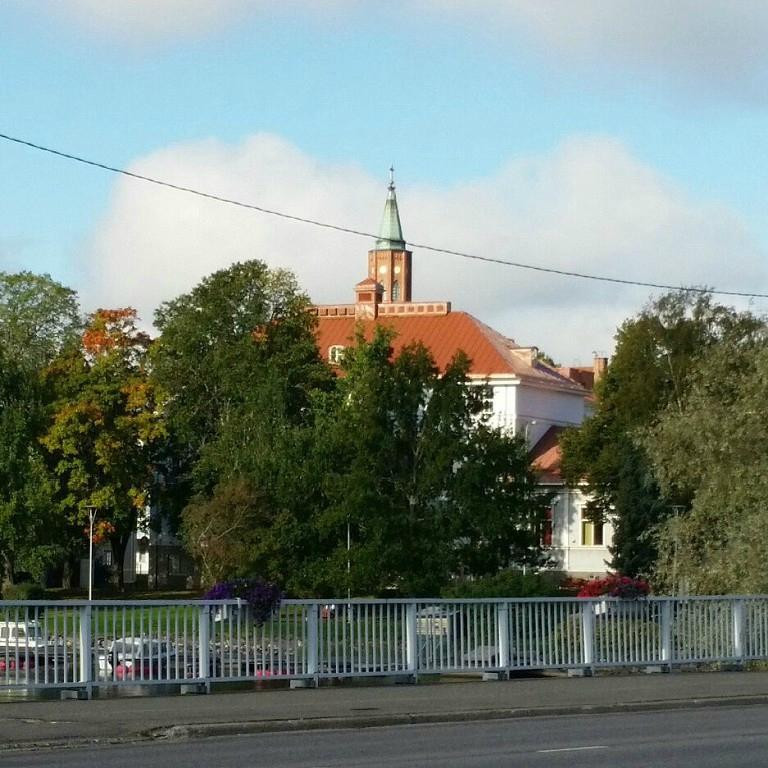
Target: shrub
<point>24,590</point>
<point>615,585</point>
<point>509,583</point>
<point>262,597</point>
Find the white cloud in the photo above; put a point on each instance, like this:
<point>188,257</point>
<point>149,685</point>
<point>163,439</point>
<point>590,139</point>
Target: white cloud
<point>709,43</point>
<point>151,21</point>
<point>142,22</point>
<point>586,206</point>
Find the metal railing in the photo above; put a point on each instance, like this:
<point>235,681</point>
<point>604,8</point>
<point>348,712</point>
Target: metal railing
<point>113,643</point>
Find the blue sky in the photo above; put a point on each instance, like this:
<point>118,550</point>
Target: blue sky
<point>460,101</point>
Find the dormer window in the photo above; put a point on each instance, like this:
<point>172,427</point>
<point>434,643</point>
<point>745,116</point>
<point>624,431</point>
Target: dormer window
<point>335,353</point>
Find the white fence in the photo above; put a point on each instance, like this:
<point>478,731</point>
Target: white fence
<point>71,644</point>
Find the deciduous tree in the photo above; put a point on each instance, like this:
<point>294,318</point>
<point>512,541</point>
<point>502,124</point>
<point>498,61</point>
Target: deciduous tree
<point>38,318</point>
<point>650,371</point>
<point>714,451</point>
<point>241,338</point>
<point>28,529</point>
<point>428,488</point>
<point>105,425</point>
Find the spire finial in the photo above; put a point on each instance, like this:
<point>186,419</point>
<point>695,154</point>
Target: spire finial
<point>391,233</point>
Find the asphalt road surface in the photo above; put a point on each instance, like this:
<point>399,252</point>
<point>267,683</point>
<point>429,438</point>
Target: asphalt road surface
<point>718,737</point>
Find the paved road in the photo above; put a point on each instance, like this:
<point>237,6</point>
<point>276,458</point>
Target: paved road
<point>57,721</point>
<point>734,737</point>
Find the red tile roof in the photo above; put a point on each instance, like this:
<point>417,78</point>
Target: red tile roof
<point>546,456</point>
<point>490,352</point>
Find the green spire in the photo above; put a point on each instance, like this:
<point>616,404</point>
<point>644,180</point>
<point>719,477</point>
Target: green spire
<point>391,232</point>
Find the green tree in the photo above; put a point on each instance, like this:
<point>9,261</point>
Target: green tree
<point>242,337</point>
<point>104,428</point>
<point>38,318</point>
<point>396,454</point>
<point>714,451</point>
<point>428,489</point>
<point>27,528</point>
<point>650,371</point>
<point>220,530</point>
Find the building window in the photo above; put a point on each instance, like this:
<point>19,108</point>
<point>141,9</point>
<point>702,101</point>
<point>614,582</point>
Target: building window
<point>546,528</point>
<point>396,291</point>
<point>335,354</point>
<point>591,533</point>
<point>106,557</point>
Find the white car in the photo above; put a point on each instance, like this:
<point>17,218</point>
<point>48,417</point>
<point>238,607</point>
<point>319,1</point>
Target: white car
<point>134,658</point>
<point>25,644</point>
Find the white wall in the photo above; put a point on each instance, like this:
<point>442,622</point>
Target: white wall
<point>546,407</point>
<point>504,399</point>
<point>532,410</point>
<point>567,549</point>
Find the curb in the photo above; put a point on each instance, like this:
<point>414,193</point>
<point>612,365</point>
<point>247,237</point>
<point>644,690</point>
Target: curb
<point>213,730</point>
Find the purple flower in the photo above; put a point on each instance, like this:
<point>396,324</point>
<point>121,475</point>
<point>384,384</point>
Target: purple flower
<point>263,597</point>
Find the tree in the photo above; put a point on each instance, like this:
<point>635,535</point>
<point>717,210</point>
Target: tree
<point>105,425</point>
<point>650,371</point>
<point>242,332</point>
<point>220,530</point>
<point>714,451</point>
<point>27,529</point>
<point>428,489</point>
<point>397,454</point>
<point>38,318</point>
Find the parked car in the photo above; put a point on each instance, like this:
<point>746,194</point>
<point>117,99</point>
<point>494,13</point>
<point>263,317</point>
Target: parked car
<point>29,635</point>
<point>25,645</point>
<point>135,658</point>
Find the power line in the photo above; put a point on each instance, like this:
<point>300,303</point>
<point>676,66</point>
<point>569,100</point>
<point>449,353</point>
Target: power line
<point>360,233</point>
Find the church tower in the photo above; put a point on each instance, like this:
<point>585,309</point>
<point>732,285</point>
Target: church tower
<point>389,263</point>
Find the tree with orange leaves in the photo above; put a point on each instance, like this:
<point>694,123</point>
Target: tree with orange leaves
<point>105,426</point>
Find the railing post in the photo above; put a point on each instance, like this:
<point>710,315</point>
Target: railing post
<point>411,639</point>
<point>588,635</point>
<point>204,645</point>
<point>738,629</point>
<point>313,637</point>
<point>502,634</point>
<point>666,633</point>
<point>86,645</point>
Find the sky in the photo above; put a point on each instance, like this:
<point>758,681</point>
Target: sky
<point>610,137</point>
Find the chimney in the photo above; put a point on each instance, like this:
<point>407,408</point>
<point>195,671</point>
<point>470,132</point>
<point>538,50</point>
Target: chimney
<point>528,355</point>
<point>599,364</point>
<point>368,296</point>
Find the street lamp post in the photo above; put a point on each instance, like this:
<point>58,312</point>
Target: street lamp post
<point>349,562</point>
<point>91,518</point>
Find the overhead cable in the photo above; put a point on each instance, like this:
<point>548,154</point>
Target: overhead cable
<point>370,235</point>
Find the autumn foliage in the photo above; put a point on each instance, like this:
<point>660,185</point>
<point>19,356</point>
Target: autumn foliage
<point>113,329</point>
<point>105,423</point>
<point>102,530</point>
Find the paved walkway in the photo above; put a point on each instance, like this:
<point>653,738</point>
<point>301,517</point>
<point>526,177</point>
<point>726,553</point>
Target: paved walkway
<point>27,723</point>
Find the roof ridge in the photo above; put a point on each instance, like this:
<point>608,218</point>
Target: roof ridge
<point>508,346</point>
